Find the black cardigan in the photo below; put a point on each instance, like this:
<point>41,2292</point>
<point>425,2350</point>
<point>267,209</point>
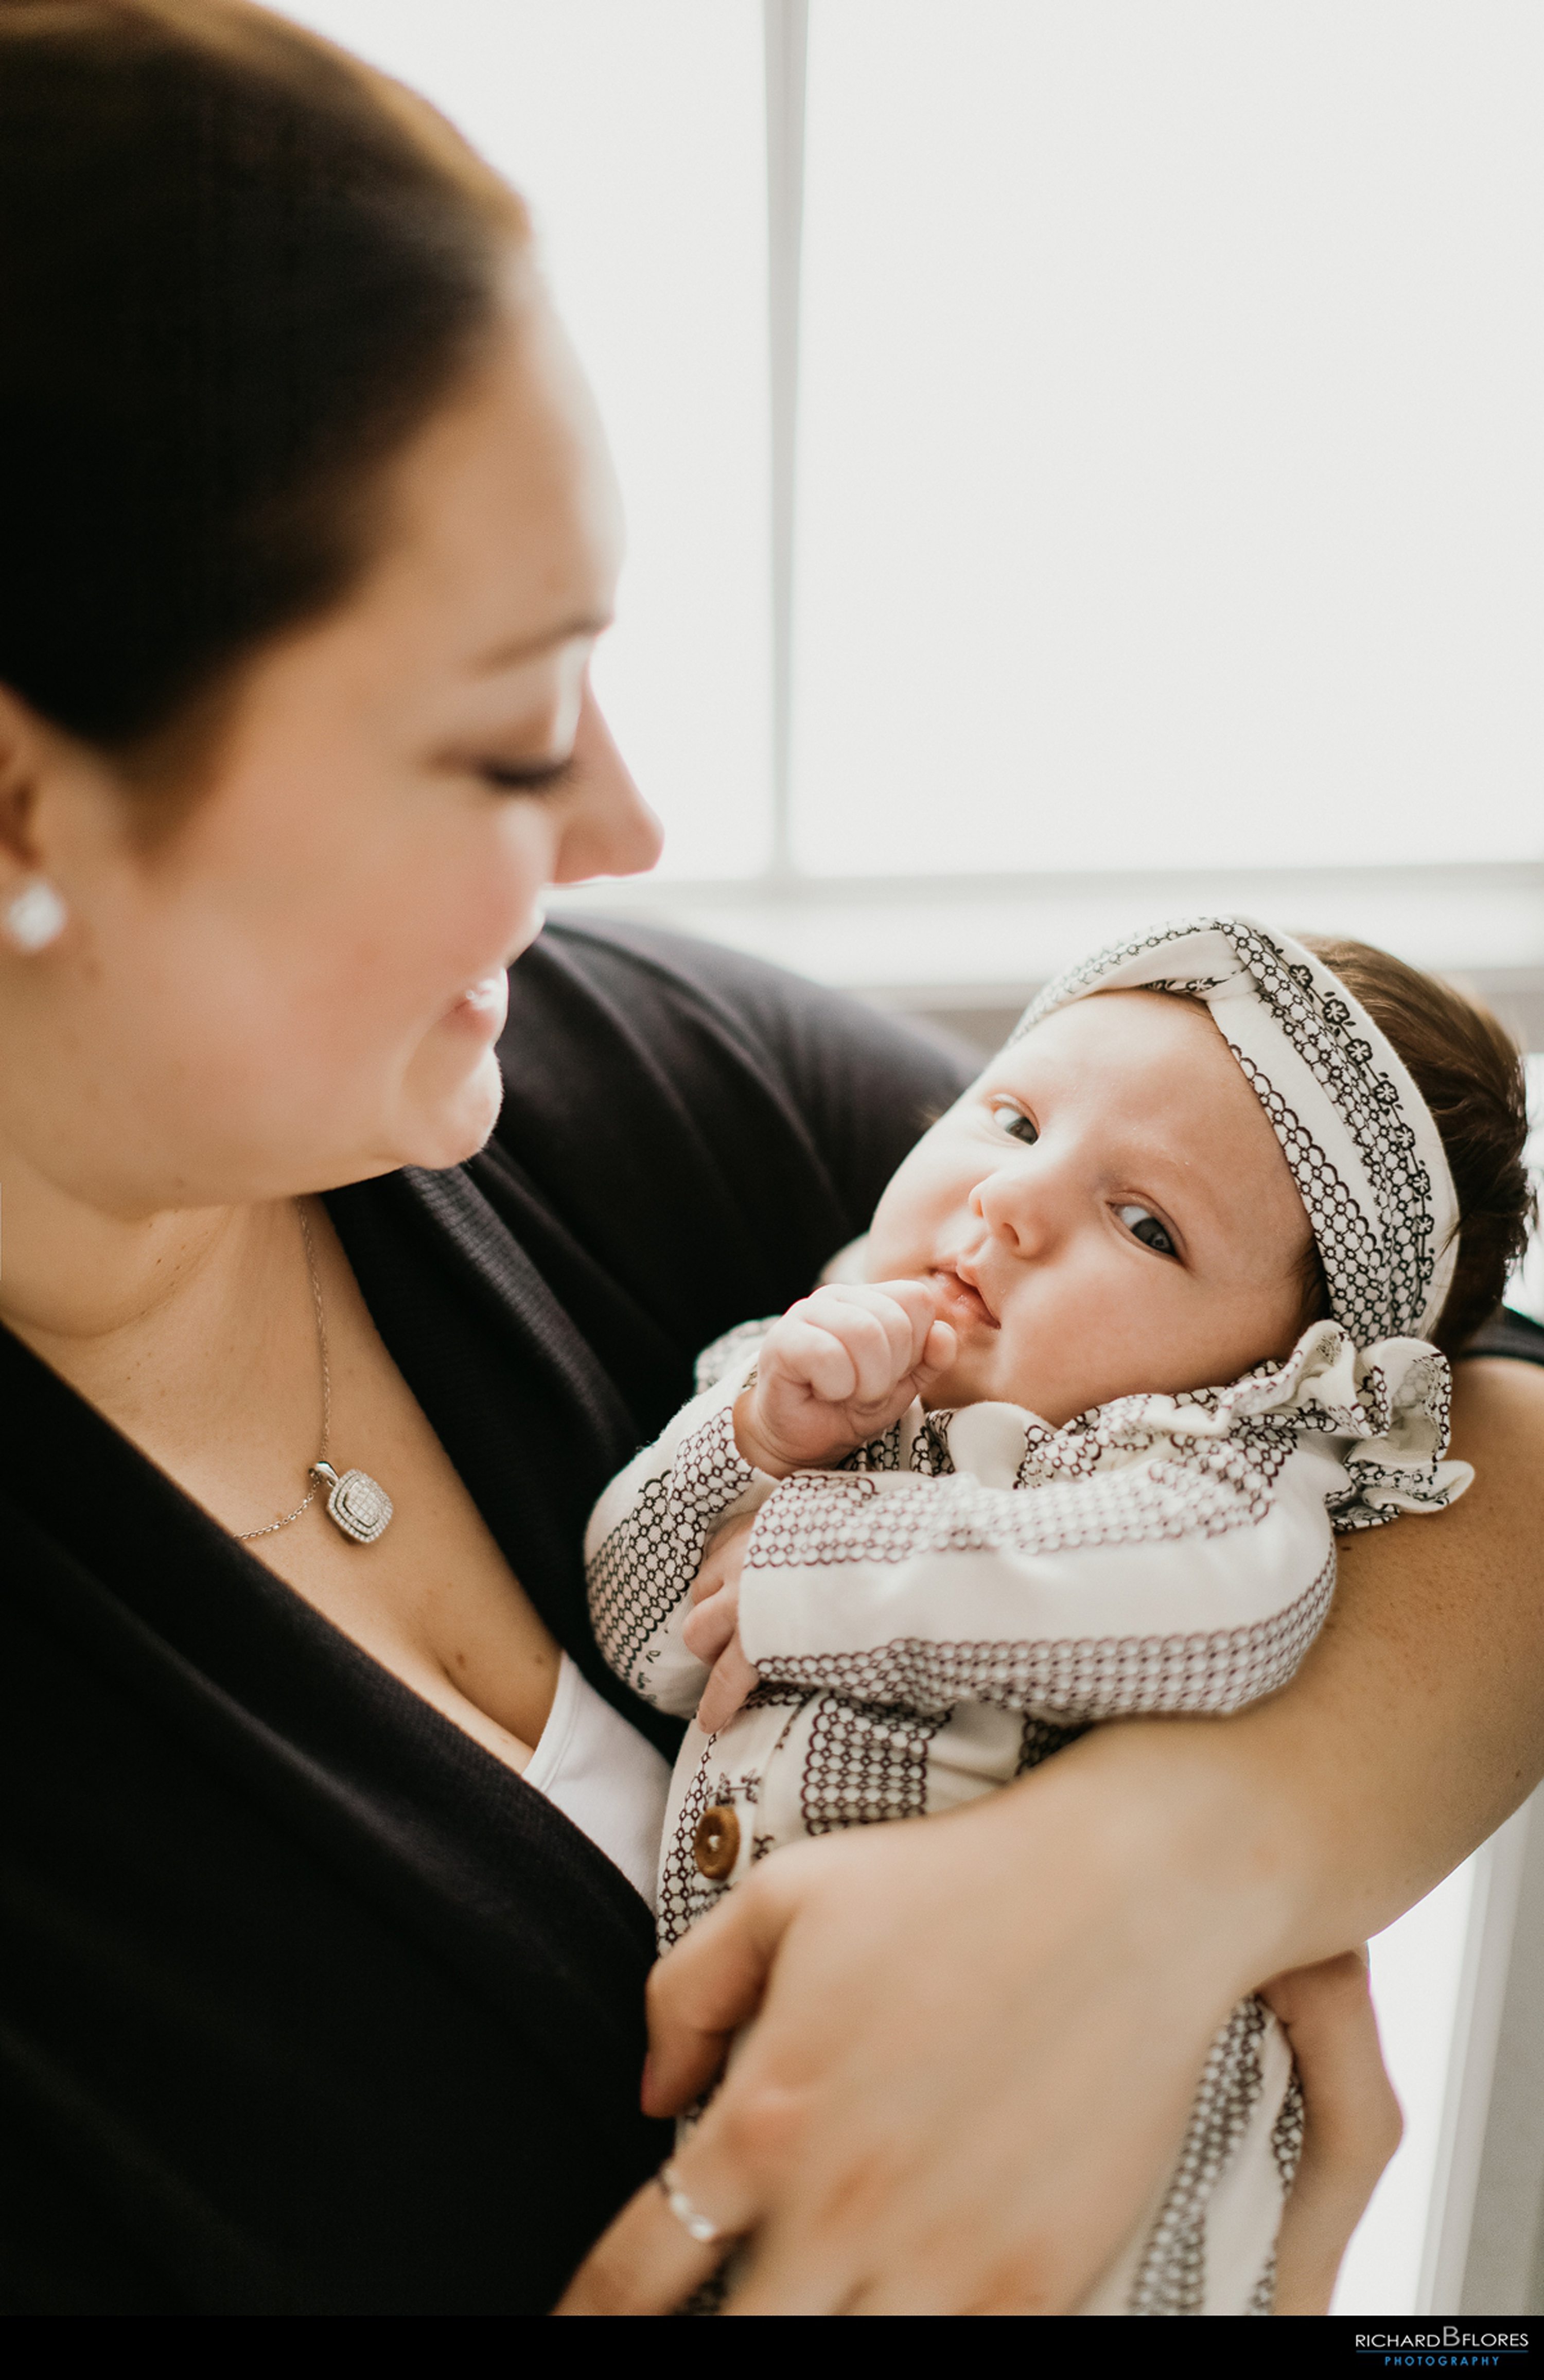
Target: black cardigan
<point>308,2004</point>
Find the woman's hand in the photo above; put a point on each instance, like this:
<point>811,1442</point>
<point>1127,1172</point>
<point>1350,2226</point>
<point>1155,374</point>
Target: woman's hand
<point>1351,2122</point>
<point>713,1628</point>
<point>838,1368</point>
<point>975,2048</point>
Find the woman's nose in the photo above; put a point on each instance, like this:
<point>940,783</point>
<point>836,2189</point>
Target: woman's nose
<point>607,827</point>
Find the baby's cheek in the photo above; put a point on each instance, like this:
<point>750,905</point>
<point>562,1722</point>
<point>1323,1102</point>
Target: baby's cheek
<point>977,1376</point>
<point>912,1222</point>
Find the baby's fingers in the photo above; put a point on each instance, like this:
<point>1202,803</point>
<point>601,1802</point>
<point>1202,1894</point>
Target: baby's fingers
<point>725,1559</point>
<point>814,1358</point>
<point>908,1312</point>
<point>917,1302</point>
<point>883,1329</point>
<point>734,1677</point>
<point>708,1627</point>
<point>938,1351</point>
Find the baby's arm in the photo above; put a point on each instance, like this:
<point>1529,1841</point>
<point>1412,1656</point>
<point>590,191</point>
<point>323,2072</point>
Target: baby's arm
<point>1352,2123</point>
<point>1088,1599</point>
<point>647,1537</point>
<point>832,1373</point>
<point>1163,1585</point>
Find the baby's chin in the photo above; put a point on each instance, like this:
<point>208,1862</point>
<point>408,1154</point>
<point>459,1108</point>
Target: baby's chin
<point>1052,1401</point>
<point>973,1383</point>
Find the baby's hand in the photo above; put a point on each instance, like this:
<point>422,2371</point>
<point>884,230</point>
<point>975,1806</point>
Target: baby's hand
<point>838,1370</point>
<point>712,1626</point>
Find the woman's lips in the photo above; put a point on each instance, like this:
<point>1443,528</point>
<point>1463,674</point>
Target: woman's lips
<point>961,1301</point>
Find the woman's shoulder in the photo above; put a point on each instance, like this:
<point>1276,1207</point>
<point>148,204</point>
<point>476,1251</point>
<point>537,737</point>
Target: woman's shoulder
<point>1508,1333</point>
<point>722,1008</point>
<point>671,1067</point>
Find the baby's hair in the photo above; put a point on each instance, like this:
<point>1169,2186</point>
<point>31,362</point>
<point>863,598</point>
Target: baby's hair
<point>1468,1070</point>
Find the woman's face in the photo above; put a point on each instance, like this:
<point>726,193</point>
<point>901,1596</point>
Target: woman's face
<point>302,983</point>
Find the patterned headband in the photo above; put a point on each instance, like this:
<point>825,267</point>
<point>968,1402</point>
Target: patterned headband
<point>1365,1156</point>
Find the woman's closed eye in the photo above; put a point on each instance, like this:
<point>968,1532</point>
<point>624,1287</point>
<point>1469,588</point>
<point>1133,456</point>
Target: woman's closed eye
<point>1144,1225</point>
<point>1013,1120</point>
<point>528,776</point>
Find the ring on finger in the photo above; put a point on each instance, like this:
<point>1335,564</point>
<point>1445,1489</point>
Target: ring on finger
<point>699,2227</point>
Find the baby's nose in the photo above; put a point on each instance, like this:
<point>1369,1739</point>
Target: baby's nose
<point>1016,1206</point>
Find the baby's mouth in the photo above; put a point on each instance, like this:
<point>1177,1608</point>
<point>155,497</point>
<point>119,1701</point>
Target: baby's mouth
<point>962,1302</point>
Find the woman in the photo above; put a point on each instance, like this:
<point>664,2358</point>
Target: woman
<point>314,2005</point>
<point>317,2003</point>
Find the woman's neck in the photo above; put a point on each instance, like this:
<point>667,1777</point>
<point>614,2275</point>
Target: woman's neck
<point>159,1320</point>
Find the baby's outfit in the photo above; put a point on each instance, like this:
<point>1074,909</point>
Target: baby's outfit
<point>961,1598</point>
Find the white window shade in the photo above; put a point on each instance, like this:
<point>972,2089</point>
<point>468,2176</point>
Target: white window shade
<point>1171,491</point>
<point>635,130</point>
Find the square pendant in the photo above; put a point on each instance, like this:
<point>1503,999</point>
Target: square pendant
<point>359,1506</point>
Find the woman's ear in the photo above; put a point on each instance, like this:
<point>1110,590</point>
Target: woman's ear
<point>24,761</point>
<point>33,911</point>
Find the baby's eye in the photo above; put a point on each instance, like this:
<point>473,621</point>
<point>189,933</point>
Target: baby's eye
<point>1147,1227</point>
<point>1013,1119</point>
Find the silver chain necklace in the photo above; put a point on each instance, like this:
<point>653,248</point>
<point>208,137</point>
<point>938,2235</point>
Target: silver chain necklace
<point>357,1504</point>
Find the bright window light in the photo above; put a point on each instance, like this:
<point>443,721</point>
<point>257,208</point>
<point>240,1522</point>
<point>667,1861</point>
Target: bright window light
<point>1170,483</point>
<point>635,130</point>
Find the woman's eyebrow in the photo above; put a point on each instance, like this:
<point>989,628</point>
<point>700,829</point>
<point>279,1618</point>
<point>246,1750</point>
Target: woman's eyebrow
<point>502,657</point>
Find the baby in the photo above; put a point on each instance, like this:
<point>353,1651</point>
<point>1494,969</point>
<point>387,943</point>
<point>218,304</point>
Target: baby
<point>1157,1308</point>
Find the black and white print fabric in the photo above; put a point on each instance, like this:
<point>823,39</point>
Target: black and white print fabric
<point>1360,1140</point>
<point>966,1594</point>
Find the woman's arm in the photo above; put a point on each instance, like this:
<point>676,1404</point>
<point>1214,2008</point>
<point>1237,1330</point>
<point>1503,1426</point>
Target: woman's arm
<point>976,2038</point>
<point>1416,1725</point>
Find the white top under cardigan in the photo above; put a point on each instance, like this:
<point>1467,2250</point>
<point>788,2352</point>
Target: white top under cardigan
<point>604,1776</point>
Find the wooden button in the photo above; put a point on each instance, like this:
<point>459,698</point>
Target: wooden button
<point>716,1844</point>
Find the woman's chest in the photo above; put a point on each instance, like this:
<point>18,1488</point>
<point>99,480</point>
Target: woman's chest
<point>236,1391</point>
<point>432,1598</point>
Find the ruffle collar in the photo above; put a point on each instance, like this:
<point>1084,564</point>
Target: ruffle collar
<point>1383,1410</point>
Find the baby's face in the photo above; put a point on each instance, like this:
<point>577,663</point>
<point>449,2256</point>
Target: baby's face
<point>1106,1210</point>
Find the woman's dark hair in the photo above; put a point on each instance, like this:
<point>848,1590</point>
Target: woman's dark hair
<point>237,269</point>
<point>1468,1070</point>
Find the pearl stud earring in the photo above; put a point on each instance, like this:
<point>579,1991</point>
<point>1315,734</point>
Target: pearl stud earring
<point>34,917</point>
